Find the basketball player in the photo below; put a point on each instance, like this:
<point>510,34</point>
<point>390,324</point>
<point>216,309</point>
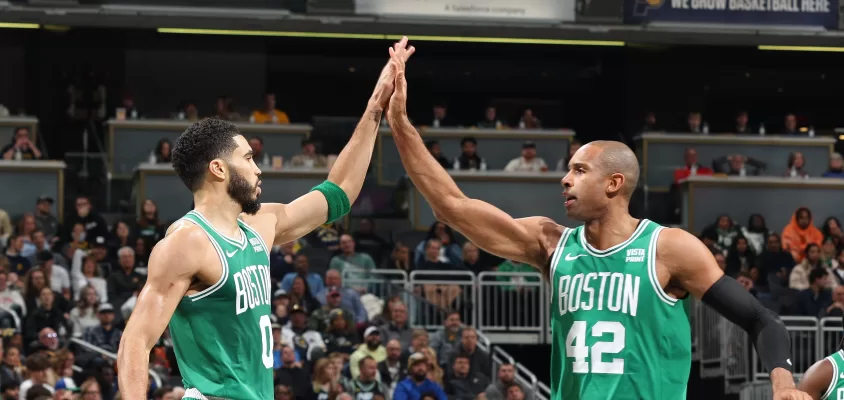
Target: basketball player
<point>618,330</point>
<point>825,379</point>
<point>209,277</point>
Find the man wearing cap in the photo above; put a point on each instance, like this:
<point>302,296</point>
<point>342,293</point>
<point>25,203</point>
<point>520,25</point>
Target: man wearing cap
<point>305,341</point>
<point>65,387</point>
<point>371,348</point>
<point>38,366</point>
<point>321,318</point>
<point>44,218</point>
<point>417,383</point>
<point>528,162</point>
<point>105,336</point>
<point>349,298</point>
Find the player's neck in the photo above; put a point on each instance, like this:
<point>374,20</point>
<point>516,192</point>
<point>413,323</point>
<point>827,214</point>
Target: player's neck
<point>611,229</point>
<point>220,210</point>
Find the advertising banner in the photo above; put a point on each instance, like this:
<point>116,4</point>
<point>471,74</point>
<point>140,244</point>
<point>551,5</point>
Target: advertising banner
<point>764,12</point>
<point>550,10</point>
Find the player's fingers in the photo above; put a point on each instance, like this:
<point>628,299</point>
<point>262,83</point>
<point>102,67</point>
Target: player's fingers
<point>410,51</point>
<point>403,43</point>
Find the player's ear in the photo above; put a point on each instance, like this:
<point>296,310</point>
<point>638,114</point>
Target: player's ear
<point>218,169</point>
<point>616,183</point>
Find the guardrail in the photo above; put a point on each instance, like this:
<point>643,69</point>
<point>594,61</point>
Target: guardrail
<point>100,350</point>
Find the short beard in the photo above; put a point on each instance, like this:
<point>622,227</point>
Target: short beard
<point>241,192</point>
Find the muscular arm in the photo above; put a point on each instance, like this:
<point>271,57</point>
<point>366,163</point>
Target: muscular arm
<point>690,263</point>
<point>816,380</point>
<point>172,266</point>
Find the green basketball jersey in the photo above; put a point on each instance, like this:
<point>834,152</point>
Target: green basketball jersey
<point>835,391</point>
<point>616,334</point>
<point>223,335</point>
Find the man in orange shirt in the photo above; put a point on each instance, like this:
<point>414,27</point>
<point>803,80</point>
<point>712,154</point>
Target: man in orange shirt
<point>269,114</point>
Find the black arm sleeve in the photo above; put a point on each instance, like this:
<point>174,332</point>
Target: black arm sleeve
<point>768,333</point>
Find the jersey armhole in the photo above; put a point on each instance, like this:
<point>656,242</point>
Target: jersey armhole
<point>652,275</point>
<point>833,380</point>
<point>225,272</point>
<point>555,256</point>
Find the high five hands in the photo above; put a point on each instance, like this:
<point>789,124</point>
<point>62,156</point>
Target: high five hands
<point>399,54</point>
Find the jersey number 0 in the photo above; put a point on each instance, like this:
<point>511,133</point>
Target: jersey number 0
<point>266,341</point>
<point>576,348</point>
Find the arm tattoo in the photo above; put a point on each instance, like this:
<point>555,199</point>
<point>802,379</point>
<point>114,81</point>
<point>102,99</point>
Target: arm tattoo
<point>376,115</point>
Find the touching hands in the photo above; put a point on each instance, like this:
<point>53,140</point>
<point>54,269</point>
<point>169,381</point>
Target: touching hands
<point>399,54</point>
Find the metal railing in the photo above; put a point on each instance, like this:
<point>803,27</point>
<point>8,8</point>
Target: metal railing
<point>106,353</point>
<point>512,301</point>
<point>445,290</point>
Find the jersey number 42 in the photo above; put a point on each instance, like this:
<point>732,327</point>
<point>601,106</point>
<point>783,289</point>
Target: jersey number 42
<point>576,348</point>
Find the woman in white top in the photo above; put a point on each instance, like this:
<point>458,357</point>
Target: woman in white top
<point>90,277</point>
<point>84,315</point>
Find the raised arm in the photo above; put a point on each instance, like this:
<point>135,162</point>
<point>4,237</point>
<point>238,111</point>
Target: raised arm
<point>688,262</point>
<point>172,266</point>
<point>529,240</point>
<point>306,213</point>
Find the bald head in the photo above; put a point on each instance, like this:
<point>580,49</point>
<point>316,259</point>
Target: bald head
<point>617,158</point>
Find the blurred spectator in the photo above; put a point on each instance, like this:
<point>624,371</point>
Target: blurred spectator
<point>190,111</point>
<point>367,241</point>
<point>394,367</point>
<point>38,367</point>
<point>281,302</point>
<point>281,262</point>
<point>756,232</point>
<point>35,281</point>
<point>725,230</point>
<point>836,166</point>
<point>349,259</point>
<point>325,380</point>
<point>528,162</point>
<point>490,120</point>
<point>387,312</point>
<point>829,253</point>
<point>736,165</point>
<point>78,243</point>
<point>417,384</point>
<point>309,158</point>
<point>515,392</point>
<point>149,226</point>
<point>399,259</point>
<point>800,275</point>
<point>340,333</point>
<point>302,267</point>
<point>468,158</point>
<point>26,227</point>
<point>436,151</point>
<point>128,103</point>
<point>721,260</point>
<point>118,239</point>
<point>269,114</point>
<point>838,273</point>
<point>47,342</point>
<point>5,228</point>
<point>371,348</point>
<point>21,147</point>
<point>796,166</point>
<point>162,151</point>
<point>63,369</point>
<point>90,276</point>
<point>292,375</point>
<point>529,121</point>
<point>305,341</point>
<point>691,166</point>
<point>505,377</point>
<point>258,154</point>
<point>125,282</point>
<point>326,236</point>
<point>836,309</point>
<point>832,229</point>
<point>516,282</point>
<point>419,343</point>
<point>91,390</point>
<point>225,109</point>
<point>91,220</point>
<point>10,390</point>
<point>349,298</point>
<point>460,384</point>
<point>478,358</point>
<point>440,117</point>
<point>650,122</point>
<point>9,297</point>
<point>447,338</point>
<point>799,233</point>
<point>59,278</point>
<point>105,335</point>
<point>740,257</point>
<point>693,122</point>
<point>40,242</point>
<point>86,313</point>
<point>742,123</point>
<point>44,218</point>
<point>366,385</point>
<point>449,251</point>
<point>300,294</point>
<point>472,259</point>
<point>775,264</point>
<point>574,146</point>
<point>398,328</point>
<point>11,369</point>
<point>810,302</point>
<point>17,262</point>
<point>790,125</point>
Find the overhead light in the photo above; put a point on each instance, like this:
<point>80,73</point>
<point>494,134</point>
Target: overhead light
<point>17,25</point>
<point>840,137</point>
<point>803,48</point>
<point>331,35</point>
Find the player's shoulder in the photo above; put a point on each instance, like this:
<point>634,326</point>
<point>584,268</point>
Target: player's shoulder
<point>183,237</point>
<point>819,378</point>
<point>676,243</point>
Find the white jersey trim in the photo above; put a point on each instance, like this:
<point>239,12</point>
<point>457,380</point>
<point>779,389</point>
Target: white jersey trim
<point>834,380</point>
<point>654,278</point>
<point>254,232</point>
<point>614,249</point>
<point>240,244</point>
<point>225,273</point>
<point>194,393</point>
<point>561,244</point>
